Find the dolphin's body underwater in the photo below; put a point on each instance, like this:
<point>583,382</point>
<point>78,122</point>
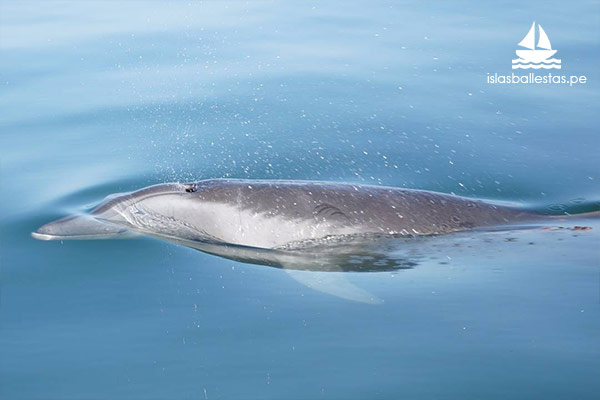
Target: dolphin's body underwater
<point>279,214</point>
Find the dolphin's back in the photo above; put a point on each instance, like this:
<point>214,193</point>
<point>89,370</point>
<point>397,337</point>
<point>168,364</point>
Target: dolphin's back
<point>275,214</point>
<point>306,210</point>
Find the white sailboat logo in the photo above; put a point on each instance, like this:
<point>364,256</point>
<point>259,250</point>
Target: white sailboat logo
<point>536,57</point>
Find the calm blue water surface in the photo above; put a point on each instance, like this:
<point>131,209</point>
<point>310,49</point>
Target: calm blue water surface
<point>98,98</point>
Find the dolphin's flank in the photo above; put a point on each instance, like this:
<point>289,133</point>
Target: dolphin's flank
<point>279,214</point>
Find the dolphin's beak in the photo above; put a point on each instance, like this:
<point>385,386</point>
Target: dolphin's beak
<point>78,227</point>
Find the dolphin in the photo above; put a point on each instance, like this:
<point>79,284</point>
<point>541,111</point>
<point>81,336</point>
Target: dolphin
<point>280,214</point>
<point>294,225</point>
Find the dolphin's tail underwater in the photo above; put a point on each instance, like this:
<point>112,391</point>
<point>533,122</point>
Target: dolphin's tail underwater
<point>79,227</point>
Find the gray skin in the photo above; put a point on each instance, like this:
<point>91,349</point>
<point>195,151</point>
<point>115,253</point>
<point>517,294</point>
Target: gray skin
<point>280,214</point>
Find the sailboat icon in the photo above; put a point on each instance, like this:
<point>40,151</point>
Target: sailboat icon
<point>536,56</point>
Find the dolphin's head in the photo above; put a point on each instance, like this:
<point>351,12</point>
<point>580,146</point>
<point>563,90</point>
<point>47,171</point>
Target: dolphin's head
<point>127,202</point>
<point>159,209</point>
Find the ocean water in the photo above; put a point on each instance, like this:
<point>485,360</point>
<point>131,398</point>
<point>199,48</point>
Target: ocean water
<point>105,97</point>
